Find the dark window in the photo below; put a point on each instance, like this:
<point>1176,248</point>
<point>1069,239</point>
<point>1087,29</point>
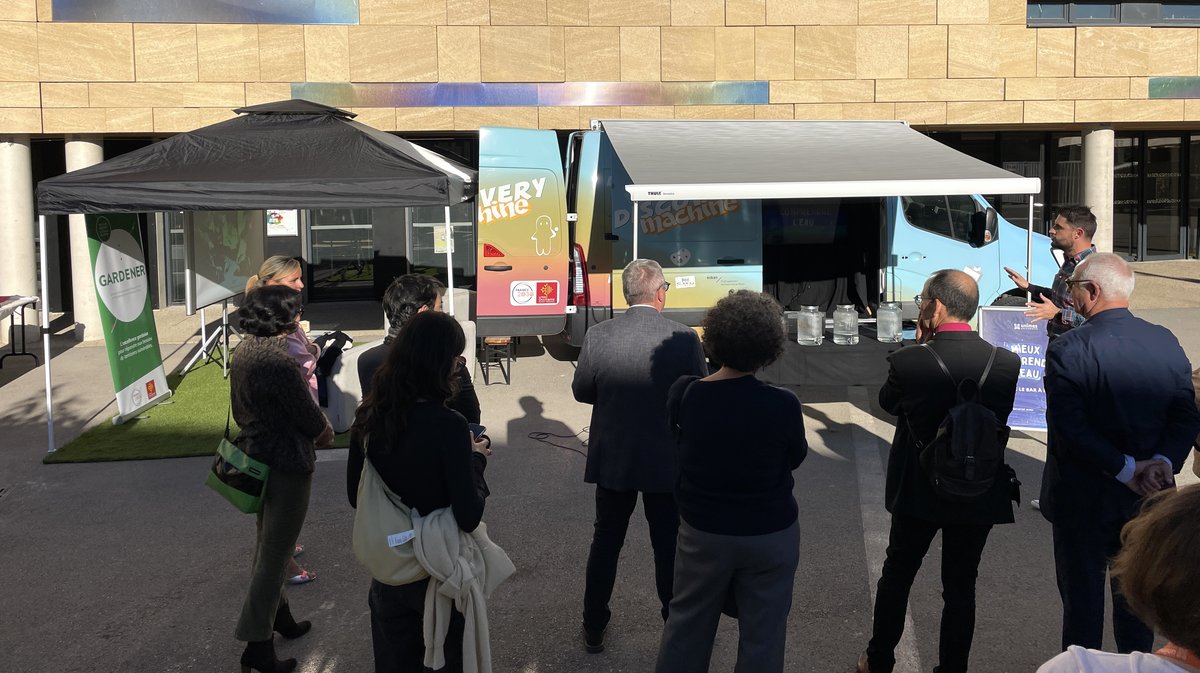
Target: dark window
<point>950,216</point>
<point>1166,13</point>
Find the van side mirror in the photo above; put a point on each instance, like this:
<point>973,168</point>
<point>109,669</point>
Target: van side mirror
<point>983,222</point>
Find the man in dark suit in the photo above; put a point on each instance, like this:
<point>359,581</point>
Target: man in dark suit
<point>921,394</point>
<point>1121,416</point>
<point>625,369</point>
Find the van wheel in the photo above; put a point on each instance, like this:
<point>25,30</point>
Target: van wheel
<point>1010,300</point>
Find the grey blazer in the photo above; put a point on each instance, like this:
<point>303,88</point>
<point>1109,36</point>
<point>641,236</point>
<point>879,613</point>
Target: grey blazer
<point>625,369</point>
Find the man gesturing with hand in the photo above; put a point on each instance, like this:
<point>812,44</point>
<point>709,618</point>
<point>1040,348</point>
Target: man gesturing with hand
<point>1072,233</point>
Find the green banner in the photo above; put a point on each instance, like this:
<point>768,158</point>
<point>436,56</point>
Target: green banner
<point>123,290</point>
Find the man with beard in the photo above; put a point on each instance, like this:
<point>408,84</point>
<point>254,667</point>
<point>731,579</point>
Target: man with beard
<point>1072,233</point>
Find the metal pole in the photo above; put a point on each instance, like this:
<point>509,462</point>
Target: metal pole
<point>1029,251</point>
<point>449,261</point>
<point>50,447</point>
<point>635,229</point>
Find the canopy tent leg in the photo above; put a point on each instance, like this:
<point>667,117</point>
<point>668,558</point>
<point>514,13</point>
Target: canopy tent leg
<point>50,448</point>
<point>1029,251</point>
<point>449,262</point>
<point>634,222</point>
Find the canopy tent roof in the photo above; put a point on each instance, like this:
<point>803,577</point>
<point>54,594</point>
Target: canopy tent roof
<point>695,160</point>
<point>288,154</point>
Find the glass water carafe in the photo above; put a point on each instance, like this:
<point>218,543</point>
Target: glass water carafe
<point>810,326</point>
<point>889,323</point>
<point>845,325</point>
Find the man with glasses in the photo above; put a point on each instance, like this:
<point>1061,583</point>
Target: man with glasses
<point>1122,417</point>
<point>625,369</point>
<point>1071,232</point>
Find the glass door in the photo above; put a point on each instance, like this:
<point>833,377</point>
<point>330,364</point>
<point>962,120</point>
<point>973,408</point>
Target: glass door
<point>1163,233</point>
<point>341,254</point>
<point>1126,195</point>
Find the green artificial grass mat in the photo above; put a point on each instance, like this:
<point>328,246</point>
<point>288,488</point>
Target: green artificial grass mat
<point>190,423</point>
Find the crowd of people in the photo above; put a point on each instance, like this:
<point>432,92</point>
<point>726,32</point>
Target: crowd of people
<point>667,406</point>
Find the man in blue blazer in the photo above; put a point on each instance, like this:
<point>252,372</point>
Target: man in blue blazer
<point>625,369</point>
<point>1121,416</point>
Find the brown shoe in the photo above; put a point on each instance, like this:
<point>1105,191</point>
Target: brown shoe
<point>862,664</point>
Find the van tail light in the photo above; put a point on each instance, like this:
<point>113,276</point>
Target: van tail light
<point>580,291</point>
<point>490,250</point>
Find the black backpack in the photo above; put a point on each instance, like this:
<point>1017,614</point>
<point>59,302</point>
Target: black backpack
<point>967,454</point>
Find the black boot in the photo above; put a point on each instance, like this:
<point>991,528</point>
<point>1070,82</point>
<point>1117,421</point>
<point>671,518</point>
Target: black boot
<point>260,656</point>
<point>287,626</point>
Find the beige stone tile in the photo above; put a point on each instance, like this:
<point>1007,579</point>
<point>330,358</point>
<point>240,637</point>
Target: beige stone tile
<point>1055,52</point>
<point>629,12</point>
<point>645,112</point>
<point>393,54</point>
<point>963,11</point>
<point>227,53</point>
<point>73,120</point>
<point>18,10</point>
<point>989,112</point>
<point>559,118</point>
<point>688,54</point>
<point>207,116</point>
<point>18,52</point>
<point>869,110</point>
<point>921,114</point>
<point>85,52</point>
<point>166,52</point>
<point>588,113</point>
<point>881,52</point>
<point>521,54</point>
<point>809,12</point>
<point>128,120</point>
<point>1129,111</point>
<point>896,12</point>
<point>266,92</point>
<point>518,12</point>
<point>382,118</point>
<point>1007,12</point>
<point>774,52</point>
<point>1173,52</point>
<point>176,120</point>
<point>593,54</point>
<point>326,53</point>
<point>972,51</point>
<point>1066,88</point>
<point>917,90</point>
<point>1191,110</point>
<point>697,12</point>
<point>567,12</point>
<point>403,12</point>
<point>714,112</point>
<point>424,119</point>
<point>826,52</point>
<point>745,12</point>
<point>21,94</point>
<point>1049,111</point>
<point>641,54</point>
<point>780,111</point>
<point>1102,51</point>
<point>167,95</point>
<point>281,53</point>
<point>735,53</point>
<point>44,10</point>
<point>823,91</point>
<point>817,111</point>
<point>471,118</point>
<point>64,94</point>
<point>458,54</point>
<point>1016,51</point>
<point>20,120</point>
<point>1139,87</point>
<point>927,49</point>
<point>468,13</point>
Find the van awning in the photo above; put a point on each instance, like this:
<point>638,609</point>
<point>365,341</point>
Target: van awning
<point>696,160</point>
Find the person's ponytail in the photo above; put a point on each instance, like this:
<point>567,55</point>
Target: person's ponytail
<point>252,283</point>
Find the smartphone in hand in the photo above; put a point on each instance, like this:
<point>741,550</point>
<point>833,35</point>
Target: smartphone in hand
<point>477,430</point>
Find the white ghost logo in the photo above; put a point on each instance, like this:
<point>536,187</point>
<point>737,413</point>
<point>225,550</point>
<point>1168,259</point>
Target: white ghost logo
<point>544,233</point>
<point>681,257</point>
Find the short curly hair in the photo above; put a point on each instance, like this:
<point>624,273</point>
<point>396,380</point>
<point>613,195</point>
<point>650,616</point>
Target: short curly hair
<point>744,331</point>
<point>269,311</point>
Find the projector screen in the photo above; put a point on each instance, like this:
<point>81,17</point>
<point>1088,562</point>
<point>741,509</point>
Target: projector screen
<point>225,248</point>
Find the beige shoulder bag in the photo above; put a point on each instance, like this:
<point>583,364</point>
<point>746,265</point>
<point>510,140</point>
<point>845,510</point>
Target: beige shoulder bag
<point>383,530</point>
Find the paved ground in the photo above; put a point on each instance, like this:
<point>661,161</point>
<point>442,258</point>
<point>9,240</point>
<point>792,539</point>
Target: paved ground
<point>136,566</point>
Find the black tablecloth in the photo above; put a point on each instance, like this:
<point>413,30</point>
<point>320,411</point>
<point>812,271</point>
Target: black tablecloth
<point>864,363</point>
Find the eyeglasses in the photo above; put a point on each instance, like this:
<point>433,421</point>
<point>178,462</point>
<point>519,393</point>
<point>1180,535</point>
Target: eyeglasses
<point>1075,282</point>
<point>918,299</point>
<point>666,286</point>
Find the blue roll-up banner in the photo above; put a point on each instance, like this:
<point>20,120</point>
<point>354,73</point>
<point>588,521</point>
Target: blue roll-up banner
<point>1008,327</point>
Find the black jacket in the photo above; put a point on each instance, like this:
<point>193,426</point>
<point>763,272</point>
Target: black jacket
<point>920,394</point>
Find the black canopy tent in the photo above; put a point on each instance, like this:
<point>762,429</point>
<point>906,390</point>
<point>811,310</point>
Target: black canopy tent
<point>293,154</point>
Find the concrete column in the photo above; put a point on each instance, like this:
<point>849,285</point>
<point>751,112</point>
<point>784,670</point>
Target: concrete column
<point>18,259</point>
<point>1098,182</point>
<point>83,151</point>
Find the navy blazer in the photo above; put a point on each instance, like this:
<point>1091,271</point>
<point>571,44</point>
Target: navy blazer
<point>1115,386</point>
<point>625,369</point>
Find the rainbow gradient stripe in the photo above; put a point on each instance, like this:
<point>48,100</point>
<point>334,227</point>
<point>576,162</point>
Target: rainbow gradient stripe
<point>1175,87</point>
<point>207,11</point>
<point>506,94</point>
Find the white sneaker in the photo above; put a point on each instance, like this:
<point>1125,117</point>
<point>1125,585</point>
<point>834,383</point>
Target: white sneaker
<point>1036,505</point>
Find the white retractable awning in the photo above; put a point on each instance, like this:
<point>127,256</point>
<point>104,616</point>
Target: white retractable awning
<point>675,160</point>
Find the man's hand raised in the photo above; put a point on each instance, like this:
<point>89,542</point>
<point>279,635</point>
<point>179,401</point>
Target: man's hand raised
<point>1017,279</point>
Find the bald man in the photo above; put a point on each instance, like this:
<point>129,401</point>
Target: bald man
<point>1121,417</point>
<point>920,393</point>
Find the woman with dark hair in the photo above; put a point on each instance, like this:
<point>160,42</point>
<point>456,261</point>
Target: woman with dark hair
<point>425,454</point>
<point>280,426</point>
<point>739,540</point>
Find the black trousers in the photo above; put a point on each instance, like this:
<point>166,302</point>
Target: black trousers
<point>613,509</point>
<point>397,636</point>
<point>908,542</point>
<point>1082,553</point>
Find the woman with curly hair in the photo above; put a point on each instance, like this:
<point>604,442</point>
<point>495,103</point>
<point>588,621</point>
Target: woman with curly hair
<point>739,440</point>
